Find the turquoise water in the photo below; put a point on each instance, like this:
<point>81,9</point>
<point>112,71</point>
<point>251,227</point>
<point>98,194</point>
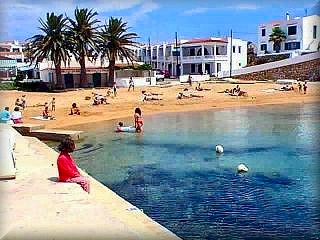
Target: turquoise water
<point>172,172</point>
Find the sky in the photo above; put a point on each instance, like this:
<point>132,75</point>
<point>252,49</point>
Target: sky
<point>158,19</point>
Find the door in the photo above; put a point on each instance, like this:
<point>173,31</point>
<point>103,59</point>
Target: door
<point>96,79</point>
<point>207,68</point>
<point>200,68</point>
<point>68,81</point>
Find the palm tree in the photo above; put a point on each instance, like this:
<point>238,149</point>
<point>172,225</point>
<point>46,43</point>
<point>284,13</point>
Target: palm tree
<point>114,44</point>
<point>83,35</point>
<point>53,45</point>
<point>277,36</point>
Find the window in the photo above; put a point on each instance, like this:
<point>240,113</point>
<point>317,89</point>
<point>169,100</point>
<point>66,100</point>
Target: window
<point>217,50</point>
<point>234,49</point>
<point>19,60</point>
<point>192,52</point>
<point>239,64</point>
<point>292,45</point>
<point>263,47</point>
<point>292,30</point>
<point>314,32</point>
<point>239,49</point>
<point>263,32</point>
<point>193,68</point>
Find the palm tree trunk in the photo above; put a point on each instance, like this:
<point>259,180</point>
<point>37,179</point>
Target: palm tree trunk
<point>83,74</point>
<point>59,84</point>
<point>112,64</point>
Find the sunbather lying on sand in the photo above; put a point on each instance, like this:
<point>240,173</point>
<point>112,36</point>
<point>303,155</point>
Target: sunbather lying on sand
<point>150,96</point>
<point>287,88</point>
<point>199,88</point>
<point>225,91</point>
<point>181,95</point>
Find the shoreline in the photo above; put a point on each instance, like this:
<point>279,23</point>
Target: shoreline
<point>123,105</point>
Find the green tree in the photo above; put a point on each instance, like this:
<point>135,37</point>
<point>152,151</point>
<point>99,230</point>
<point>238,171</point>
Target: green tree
<point>52,45</point>
<point>115,43</point>
<point>277,37</point>
<point>83,35</point>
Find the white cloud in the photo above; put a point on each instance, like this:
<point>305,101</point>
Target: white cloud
<point>238,6</point>
<point>196,11</point>
<point>140,14</point>
<point>20,17</point>
<point>245,6</point>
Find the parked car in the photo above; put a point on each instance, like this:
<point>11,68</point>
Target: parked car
<point>159,75</point>
<point>166,74</point>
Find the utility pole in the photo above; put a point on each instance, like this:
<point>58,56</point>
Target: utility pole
<point>149,51</point>
<point>177,57</point>
<point>231,49</point>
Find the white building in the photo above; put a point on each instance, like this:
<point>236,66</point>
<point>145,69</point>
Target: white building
<point>196,56</point>
<point>302,35</point>
<point>13,50</point>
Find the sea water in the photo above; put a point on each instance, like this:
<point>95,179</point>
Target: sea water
<point>173,173</point>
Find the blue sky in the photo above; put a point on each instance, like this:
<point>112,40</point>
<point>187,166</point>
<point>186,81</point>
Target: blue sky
<point>158,19</point>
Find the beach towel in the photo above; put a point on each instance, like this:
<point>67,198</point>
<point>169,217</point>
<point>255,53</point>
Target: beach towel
<point>43,119</point>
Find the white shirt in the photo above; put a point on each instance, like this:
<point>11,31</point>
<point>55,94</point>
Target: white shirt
<point>16,115</point>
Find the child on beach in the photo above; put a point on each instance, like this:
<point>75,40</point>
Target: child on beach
<point>138,120</point>
<point>23,102</point>
<point>305,87</point>
<point>114,90</point>
<point>45,113</point>
<point>74,110</point>
<point>68,171</point>
<point>131,84</point>
<point>53,104</point>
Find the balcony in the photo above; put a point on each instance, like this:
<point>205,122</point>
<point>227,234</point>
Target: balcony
<point>205,58</point>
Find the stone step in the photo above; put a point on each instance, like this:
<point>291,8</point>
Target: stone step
<point>27,128</point>
<point>55,134</point>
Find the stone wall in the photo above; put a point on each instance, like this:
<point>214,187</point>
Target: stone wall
<point>309,70</point>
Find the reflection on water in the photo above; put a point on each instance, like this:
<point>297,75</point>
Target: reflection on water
<point>172,172</point>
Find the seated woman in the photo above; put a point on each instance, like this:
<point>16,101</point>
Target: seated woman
<point>68,171</point>
<point>5,116</point>
<point>16,115</point>
<point>74,109</point>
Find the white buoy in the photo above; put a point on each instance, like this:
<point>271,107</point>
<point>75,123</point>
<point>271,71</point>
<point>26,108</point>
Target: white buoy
<point>219,149</point>
<point>242,168</point>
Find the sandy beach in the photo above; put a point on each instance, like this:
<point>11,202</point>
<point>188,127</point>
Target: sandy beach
<point>123,104</point>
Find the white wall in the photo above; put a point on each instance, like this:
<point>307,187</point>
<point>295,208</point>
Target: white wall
<point>138,81</point>
<point>239,60</point>
<point>309,43</point>
<point>271,65</point>
<point>195,78</point>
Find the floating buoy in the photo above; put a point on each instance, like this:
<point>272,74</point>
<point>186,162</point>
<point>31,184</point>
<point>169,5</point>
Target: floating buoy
<point>242,168</point>
<point>219,149</point>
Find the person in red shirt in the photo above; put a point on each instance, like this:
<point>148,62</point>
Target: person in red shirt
<point>68,171</point>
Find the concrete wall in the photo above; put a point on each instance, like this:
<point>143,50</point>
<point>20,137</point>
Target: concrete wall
<point>138,81</point>
<point>310,43</point>
<point>195,78</point>
<point>309,70</point>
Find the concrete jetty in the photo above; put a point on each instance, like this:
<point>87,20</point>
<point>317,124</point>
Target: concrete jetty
<point>36,206</point>
<point>38,131</point>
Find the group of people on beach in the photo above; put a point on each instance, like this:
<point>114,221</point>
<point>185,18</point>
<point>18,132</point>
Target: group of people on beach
<point>304,86</point>
<point>21,102</point>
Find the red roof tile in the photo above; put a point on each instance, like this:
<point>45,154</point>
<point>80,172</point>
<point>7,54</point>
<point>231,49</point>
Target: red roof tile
<point>205,40</point>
